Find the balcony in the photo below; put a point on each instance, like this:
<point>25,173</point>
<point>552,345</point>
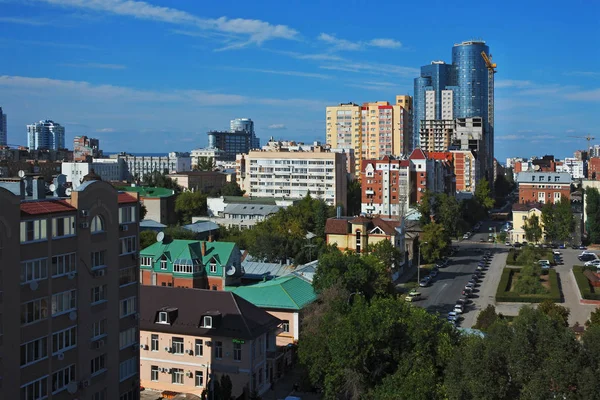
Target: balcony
<point>369,191</point>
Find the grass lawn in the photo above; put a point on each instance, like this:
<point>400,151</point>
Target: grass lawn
<point>506,293</point>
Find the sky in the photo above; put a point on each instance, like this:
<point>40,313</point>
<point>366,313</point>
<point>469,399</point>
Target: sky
<point>156,75</point>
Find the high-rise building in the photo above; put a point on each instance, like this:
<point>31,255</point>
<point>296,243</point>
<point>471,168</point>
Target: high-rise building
<point>232,143</point>
<point>459,90</point>
<point>86,148</point>
<point>373,130</point>
<point>245,125</point>
<point>45,134</point>
<point>69,292</point>
<point>3,132</point>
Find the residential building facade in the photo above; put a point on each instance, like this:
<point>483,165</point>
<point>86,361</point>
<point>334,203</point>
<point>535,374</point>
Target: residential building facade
<point>45,134</point>
<point>207,152</point>
<point>245,125</point>
<point>159,203</point>
<point>292,175</point>
<point>203,181</point>
<point>69,289</point>
<point>86,148</point>
<point>233,143</point>
<point>3,129</point>
<point>109,169</point>
<point>138,166</point>
<point>543,187</point>
<point>520,214</point>
<point>466,170</point>
<point>593,168</point>
<point>190,336</point>
<point>574,167</point>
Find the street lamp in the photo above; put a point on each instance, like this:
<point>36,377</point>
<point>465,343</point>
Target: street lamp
<point>419,262</point>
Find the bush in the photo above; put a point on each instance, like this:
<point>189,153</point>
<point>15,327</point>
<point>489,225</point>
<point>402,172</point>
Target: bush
<point>528,255</point>
<point>587,291</point>
<point>503,293</point>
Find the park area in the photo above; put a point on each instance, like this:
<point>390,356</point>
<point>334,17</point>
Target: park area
<point>588,282</point>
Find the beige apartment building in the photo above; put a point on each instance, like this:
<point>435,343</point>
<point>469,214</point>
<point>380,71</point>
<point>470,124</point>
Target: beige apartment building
<point>372,130</point>
<point>291,175</point>
<point>190,336</point>
<point>68,292</point>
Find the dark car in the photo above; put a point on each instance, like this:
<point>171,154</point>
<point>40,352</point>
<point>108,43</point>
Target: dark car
<point>474,277</point>
<point>517,245</point>
<point>582,247</point>
<point>586,257</point>
<point>575,247</point>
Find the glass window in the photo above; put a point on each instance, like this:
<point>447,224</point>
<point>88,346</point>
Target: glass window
<point>199,348</point>
<point>98,294</point>
<point>98,259</point>
<point>36,390</point>
<point>127,369</point>
<point>98,364</point>
<point>285,326</point>
<point>33,230</point>
<point>199,379</point>
<point>177,345</point>
<point>64,302</point>
<point>99,328</point>
<point>63,264</point>
<point>34,270</point>
<point>154,373</point>
<point>218,349</point>
<point>146,261</point>
<point>34,311</point>
<point>64,340</point>
<point>97,224</point>
<point>154,343</point>
<point>177,376</point>
<point>237,351</point>
<point>127,337</point>
<point>34,351</point>
<point>127,275</point>
<point>128,306</point>
<point>64,226</point>
<point>127,214</point>
<point>128,245</point>
<point>61,378</point>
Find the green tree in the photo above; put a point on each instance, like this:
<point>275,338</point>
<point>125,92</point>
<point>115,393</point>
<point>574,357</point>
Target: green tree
<point>147,238</point>
<point>158,179</point>
<point>594,318</point>
<point>549,222</point>
<point>385,252</point>
<point>231,189</point>
<point>226,387</point>
<point>449,216</point>
<point>434,242</point>
<point>426,207</point>
<point>483,194</point>
<point>555,311</point>
<point>143,211</point>
<point>486,318</point>
<point>564,220</point>
<point>528,281</point>
<point>177,232</point>
<point>532,228</point>
<point>592,209</point>
<point>353,197</point>
<point>190,204</point>
<point>205,164</point>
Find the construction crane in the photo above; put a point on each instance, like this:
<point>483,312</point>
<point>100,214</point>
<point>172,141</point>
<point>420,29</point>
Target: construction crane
<point>491,66</point>
<point>589,138</point>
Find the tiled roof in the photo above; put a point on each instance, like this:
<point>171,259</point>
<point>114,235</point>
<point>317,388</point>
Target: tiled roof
<point>417,154</point>
<point>238,318</point>
<point>440,155</point>
<point>148,191</point>
<point>335,226</point>
<point>150,223</point>
<point>126,198</point>
<point>287,292</point>
<point>45,207</point>
<point>189,250</point>
<point>360,220</point>
<point>526,206</point>
<point>250,209</point>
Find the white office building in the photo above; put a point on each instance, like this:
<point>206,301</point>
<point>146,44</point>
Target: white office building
<point>109,169</point>
<point>45,134</point>
<point>138,166</point>
<point>573,166</point>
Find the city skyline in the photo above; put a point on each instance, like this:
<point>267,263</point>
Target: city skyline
<point>108,83</point>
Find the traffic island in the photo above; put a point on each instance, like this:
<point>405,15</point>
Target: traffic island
<point>588,282</point>
<point>519,285</point>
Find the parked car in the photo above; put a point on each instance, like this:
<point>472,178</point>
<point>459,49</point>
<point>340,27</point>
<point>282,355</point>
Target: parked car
<point>517,245</point>
<point>475,277</point>
<point>593,263</point>
<point>507,243</point>
<point>452,316</point>
<point>413,296</point>
<point>582,247</point>
<point>587,257</point>
<point>458,309</point>
<point>424,283</point>
<point>562,246</point>
<point>556,253</point>
<point>466,236</point>
<point>433,273</point>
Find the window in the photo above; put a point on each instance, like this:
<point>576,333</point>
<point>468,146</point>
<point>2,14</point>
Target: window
<point>61,378</point>
<point>146,261</point>
<point>128,245</point>
<point>199,348</point>
<point>98,365</point>
<point>199,379</point>
<point>237,351</point>
<point>207,321</point>
<point>100,395</point>
<point>127,369</point>
<point>33,230</point>
<point>34,311</point>
<point>127,306</point>
<point>177,345</point>
<point>218,349</point>
<point>98,259</point>
<point>97,224</point>
<point>64,302</point>
<point>34,351</point>
<point>260,377</point>
<point>127,275</point>
<point>130,395</point>
<point>99,328</point>
<point>98,294</point>
<point>213,268</point>
<point>154,343</point>
<point>35,390</point>
<point>34,270</point>
<point>63,264</point>
<point>64,226</point>
<point>285,326</point>
<point>127,337</point>
<point>154,373</point>
<point>127,214</point>
<point>64,340</point>
<point>177,376</point>
<point>163,264</point>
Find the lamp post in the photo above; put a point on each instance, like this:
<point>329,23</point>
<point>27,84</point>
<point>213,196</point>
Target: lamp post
<point>419,262</point>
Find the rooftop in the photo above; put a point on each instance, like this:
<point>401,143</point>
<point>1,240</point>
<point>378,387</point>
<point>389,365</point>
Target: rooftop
<point>177,249</point>
<point>251,209</point>
<point>149,191</point>
<point>46,206</point>
<point>201,226</point>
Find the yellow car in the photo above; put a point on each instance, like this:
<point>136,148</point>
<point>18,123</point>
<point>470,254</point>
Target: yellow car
<point>413,296</point>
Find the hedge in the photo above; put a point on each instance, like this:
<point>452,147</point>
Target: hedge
<point>503,293</point>
<point>587,291</point>
<point>541,254</point>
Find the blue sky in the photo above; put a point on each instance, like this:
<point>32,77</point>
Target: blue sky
<point>155,76</point>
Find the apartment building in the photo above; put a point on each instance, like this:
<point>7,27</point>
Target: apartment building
<point>68,293</point>
<point>45,134</point>
<point>436,134</point>
<point>159,202</point>
<point>190,336</point>
<point>542,187</point>
<point>467,170</point>
<point>293,175</point>
<point>372,130</point>
<point>190,264</point>
<point>574,167</point>
<point>85,148</point>
<point>138,166</point>
<point>204,181</point>
<point>109,169</point>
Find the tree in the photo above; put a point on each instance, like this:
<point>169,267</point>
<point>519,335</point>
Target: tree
<point>143,211</point>
<point>486,318</point>
<point>177,232</point>
<point>353,197</point>
<point>563,217</point>
<point>385,252</point>
<point>426,207</point>
<point>555,311</point>
<point>190,204</point>
<point>434,242</point>
<point>158,179</point>
<point>549,222</point>
<point>592,209</point>
<point>226,387</point>
<point>147,238</point>
<point>483,194</point>
<point>231,189</point>
<point>448,214</point>
<point>528,281</point>
<point>532,228</point>
<point>594,318</point>
<point>205,164</point>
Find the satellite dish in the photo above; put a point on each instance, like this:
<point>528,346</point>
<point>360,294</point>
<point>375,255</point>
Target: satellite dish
<point>536,167</point>
<point>52,187</point>
<point>72,315</point>
<point>68,191</point>
<point>160,236</point>
<point>231,270</point>
<point>34,285</point>
<point>72,387</point>
<point>21,173</point>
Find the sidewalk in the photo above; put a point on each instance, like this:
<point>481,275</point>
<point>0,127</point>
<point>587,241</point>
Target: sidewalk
<point>285,387</point>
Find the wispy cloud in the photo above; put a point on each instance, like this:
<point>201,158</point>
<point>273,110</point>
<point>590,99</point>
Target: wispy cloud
<point>570,131</point>
<point>276,127</point>
<point>248,30</point>
<point>24,21</point>
<point>13,42</point>
<point>95,65</point>
<point>585,95</point>
<point>512,83</point>
<point>373,85</point>
<point>508,137</point>
<point>308,56</point>
<point>343,44</point>
<point>587,74</point>
<point>278,72</point>
<point>106,130</point>
<point>373,68</point>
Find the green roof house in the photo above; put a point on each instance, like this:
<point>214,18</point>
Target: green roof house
<point>159,202</point>
<point>191,263</point>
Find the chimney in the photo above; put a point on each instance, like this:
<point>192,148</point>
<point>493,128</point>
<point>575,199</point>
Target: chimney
<point>39,188</point>
<point>203,246</point>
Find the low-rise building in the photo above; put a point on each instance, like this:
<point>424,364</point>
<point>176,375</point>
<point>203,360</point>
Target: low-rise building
<point>203,181</point>
<point>573,166</point>
<point>159,202</point>
<point>190,336</point>
<point>207,152</point>
<point>243,216</point>
<point>520,213</point>
<point>543,187</point>
<point>86,148</point>
<point>138,166</point>
<point>109,169</point>
<point>191,264</point>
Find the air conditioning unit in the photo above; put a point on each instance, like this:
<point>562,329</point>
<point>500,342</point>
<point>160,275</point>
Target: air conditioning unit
<point>85,213</point>
<point>209,343</point>
<point>190,375</point>
<point>168,349</point>
<point>191,352</point>
<point>170,370</point>
<point>99,272</point>
<point>84,383</point>
<point>71,275</point>
<point>124,228</point>
<point>84,225</point>
<point>164,370</point>
<point>60,356</point>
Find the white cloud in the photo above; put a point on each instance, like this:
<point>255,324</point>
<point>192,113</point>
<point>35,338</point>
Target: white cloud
<point>343,44</point>
<point>276,126</point>
<point>509,137</point>
<point>277,72</point>
<point>373,85</point>
<point>254,31</point>
<point>24,21</point>
<point>570,131</point>
<point>588,74</point>
<point>13,42</point>
<point>585,95</point>
<point>95,65</point>
<point>105,130</point>
<point>374,68</point>
<point>512,83</point>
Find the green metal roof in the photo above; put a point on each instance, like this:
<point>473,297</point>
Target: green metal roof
<point>189,250</point>
<point>288,292</point>
<point>148,191</point>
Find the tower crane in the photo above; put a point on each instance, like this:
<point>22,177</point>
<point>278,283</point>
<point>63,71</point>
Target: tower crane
<point>589,138</point>
<point>491,66</point>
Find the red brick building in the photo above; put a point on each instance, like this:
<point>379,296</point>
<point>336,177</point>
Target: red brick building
<point>543,187</point>
<point>594,168</point>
